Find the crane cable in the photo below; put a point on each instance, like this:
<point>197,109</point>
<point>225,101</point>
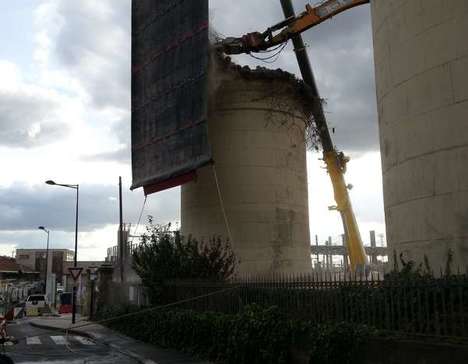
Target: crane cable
<point>139,219</point>
<point>221,202</point>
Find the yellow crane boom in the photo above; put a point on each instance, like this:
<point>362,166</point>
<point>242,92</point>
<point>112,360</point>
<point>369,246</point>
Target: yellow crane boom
<point>335,161</point>
<point>288,28</point>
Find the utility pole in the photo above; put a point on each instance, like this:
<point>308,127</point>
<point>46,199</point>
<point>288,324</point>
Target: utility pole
<point>121,240</point>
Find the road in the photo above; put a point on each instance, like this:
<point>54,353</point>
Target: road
<point>38,345</point>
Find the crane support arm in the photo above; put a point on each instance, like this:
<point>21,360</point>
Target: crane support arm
<point>336,167</point>
<point>291,28</point>
<point>288,28</point>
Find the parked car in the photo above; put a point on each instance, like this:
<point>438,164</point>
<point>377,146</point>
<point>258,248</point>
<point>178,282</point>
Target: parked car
<point>36,304</point>
<point>36,301</point>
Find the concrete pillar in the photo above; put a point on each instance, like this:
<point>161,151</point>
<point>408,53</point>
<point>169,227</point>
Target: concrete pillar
<point>106,290</point>
<point>345,255</point>
<point>259,200</point>
<point>317,243</point>
<point>373,256</point>
<point>329,254</point>
<point>421,68</point>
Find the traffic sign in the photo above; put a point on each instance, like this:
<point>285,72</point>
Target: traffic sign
<point>75,272</point>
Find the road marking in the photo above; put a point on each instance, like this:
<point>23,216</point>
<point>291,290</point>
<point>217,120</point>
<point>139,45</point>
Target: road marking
<point>33,340</point>
<point>59,340</point>
<point>83,340</point>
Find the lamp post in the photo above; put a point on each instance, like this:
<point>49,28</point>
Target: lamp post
<point>77,188</point>
<point>47,258</point>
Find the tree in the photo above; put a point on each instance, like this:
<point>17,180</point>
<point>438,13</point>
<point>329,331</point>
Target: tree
<point>165,255</point>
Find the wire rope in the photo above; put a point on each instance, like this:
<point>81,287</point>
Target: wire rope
<point>221,202</point>
<point>139,218</point>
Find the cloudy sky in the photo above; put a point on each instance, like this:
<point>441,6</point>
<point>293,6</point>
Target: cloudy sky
<point>64,115</point>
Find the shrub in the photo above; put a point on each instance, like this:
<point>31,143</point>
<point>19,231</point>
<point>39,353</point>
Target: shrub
<point>165,255</point>
<point>254,336</point>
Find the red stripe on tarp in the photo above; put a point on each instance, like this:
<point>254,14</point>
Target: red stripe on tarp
<point>172,182</point>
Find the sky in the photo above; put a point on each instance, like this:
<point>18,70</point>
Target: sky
<point>65,116</point>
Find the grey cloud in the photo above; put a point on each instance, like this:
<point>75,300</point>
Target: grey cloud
<point>28,120</point>
<point>36,239</point>
<point>94,46</point>
<point>24,207</point>
<point>121,155</point>
<point>121,129</point>
<point>341,55</point>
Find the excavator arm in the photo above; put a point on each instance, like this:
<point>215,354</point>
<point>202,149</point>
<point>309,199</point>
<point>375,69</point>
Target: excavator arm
<point>291,28</point>
<point>285,30</point>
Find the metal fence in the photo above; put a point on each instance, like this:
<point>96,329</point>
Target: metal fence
<point>432,306</point>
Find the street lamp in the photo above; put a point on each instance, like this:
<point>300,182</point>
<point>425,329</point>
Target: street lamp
<point>47,258</point>
<point>77,188</point>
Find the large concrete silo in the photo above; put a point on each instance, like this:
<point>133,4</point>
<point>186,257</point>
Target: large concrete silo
<point>256,129</point>
<point>421,67</point>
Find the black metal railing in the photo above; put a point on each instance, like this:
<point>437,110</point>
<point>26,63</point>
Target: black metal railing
<point>426,305</point>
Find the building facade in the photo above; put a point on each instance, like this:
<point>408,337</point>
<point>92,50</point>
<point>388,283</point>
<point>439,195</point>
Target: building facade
<point>35,259</point>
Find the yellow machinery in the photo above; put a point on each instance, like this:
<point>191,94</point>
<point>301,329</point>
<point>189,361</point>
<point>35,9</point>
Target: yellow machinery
<point>291,28</point>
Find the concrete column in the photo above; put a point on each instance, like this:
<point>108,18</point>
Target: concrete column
<point>256,192</point>
<point>421,69</point>
<point>373,256</point>
<point>345,255</point>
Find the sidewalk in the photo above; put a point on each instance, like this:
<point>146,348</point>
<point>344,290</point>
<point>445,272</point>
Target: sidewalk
<point>141,352</point>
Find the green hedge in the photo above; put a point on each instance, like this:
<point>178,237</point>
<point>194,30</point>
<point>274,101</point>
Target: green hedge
<point>256,335</point>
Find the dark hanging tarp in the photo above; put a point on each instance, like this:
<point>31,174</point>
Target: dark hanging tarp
<point>169,92</point>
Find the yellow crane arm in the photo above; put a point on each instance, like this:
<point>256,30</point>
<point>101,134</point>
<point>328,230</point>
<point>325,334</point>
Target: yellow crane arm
<point>336,167</point>
<point>291,28</point>
<point>312,16</point>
